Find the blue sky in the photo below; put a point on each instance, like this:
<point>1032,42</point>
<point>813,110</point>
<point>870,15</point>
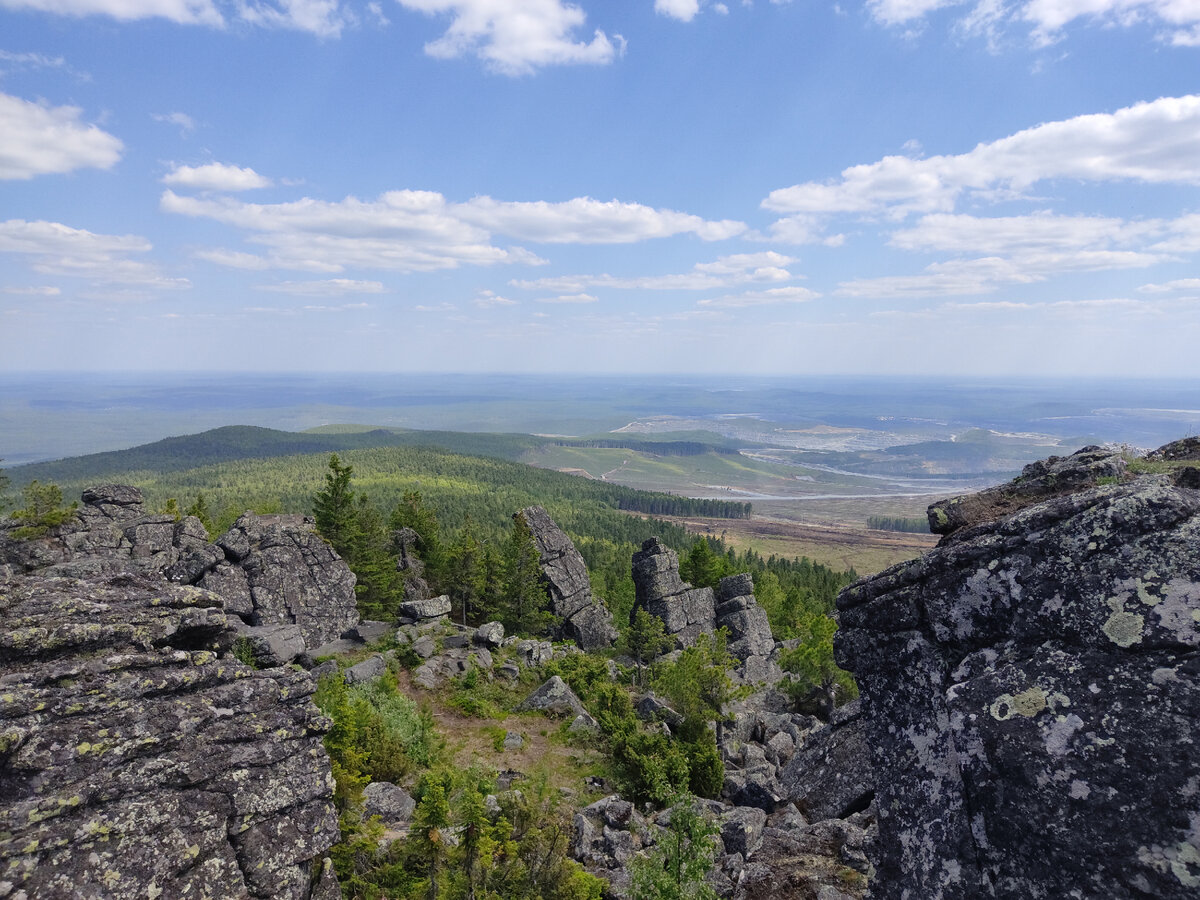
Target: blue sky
<point>989,187</point>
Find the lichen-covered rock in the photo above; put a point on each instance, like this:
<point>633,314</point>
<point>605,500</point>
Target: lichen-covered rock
<point>586,620</point>
<point>273,645</point>
<point>135,761</point>
<point>272,570</point>
<point>1038,481</point>
<point>1031,696</point>
<point>393,804</point>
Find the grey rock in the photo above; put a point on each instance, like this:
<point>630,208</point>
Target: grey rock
<point>367,670</point>
<point>490,634</point>
<point>230,582</point>
<point>1030,696</point>
<point>555,698</point>
<point>1038,481</point>
<point>273,645</point>
<point>1183,449</point>
<point>424,646</point>
<point>391,803</point>
<point>830,776</point>
<point>585,618</point>
<point>509,672</point>
<point>482,658</point>
<point>742,830</point>
<point>137,762</point>
<point>432,608</point>
<point>456,641</point>
<point>652,708</point>
<point>369,632</point>
<point>513,740</point>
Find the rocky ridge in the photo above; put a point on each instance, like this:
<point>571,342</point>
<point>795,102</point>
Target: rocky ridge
<point>1031,689</point>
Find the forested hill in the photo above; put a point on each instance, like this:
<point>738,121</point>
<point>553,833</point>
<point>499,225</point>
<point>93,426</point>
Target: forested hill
<point>236,442</point>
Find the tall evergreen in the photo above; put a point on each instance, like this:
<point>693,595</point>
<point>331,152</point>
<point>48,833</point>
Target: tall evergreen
<point>524,598</point>
<point>334,508</point>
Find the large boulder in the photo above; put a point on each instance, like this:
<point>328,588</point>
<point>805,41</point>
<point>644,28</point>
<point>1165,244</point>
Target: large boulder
<point>586,620</point>
<point>555,698</point>
<point>1030,696</point>
<point>137,762</point>
<point>830,776</point>
<point>686,612</point>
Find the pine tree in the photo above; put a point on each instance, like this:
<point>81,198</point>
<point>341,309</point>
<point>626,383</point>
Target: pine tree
<point>681,859</point>
<point>334,508</point>
<point>524,596</point>
<point>646,639</point>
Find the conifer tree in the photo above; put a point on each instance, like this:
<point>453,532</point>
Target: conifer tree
<point>524,596</point>
<point>334,509</point>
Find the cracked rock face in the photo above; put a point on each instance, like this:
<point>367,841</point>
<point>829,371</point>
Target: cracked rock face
<point>137,762</point>
<point>586,619</point>
<point>1031,691</point>
<point>271,570</point>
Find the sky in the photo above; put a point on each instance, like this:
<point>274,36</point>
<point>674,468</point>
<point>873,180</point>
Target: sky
<point>945,187</point>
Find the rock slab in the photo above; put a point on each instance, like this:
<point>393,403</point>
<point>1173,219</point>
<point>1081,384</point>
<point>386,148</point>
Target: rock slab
<point>1031,692</point>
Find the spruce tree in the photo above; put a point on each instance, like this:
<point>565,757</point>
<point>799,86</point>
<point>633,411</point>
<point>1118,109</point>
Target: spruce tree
<point>524,596</point>
<point>334,508</point>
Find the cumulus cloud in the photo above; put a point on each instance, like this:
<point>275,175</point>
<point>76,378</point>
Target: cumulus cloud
<point>330,287</point>
<point>726,271</point>
<point>185,12</point>
<point>1157,142</point>
<point>56,249</point>
<point>683,10</point>
<point>32,291</point>
<point>422,231</point>
<point>488,299</point>
<point>1007,235</point>
<point>216,177</point>
<point>516,37</point>
<point>41,140</point>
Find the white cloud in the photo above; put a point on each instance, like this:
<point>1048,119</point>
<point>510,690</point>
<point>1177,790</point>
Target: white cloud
<point>488,299</point>
<point>1048,18</point>
<point>330,287</point>
<point>726,271</point>
<point>323,18</point>
<point>1156,142</point>
<point>569,298</point>
<point>516,37</point>
<point>38,291</point>
<point>185,12</point>
<point>32,60</point>
<point>583,220</point>
<point>408,231</point>
<point>1007,235</point>
<point>56,249</point>
<point>769,297</point>
<point>683,10</point>
<point>40,140</point>
<point>987,274</point>
<point>183,121</point>
<point>234,259</point>
<point>216,177</point>
<point>421,231</point>
<point>1179,284</point>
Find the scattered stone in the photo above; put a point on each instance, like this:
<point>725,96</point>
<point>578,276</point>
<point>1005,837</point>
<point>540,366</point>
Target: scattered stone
<point>455,641</point>
<point>509,671</point>
<point>391,803</point>
<point>652,708</point>
<point>431,608</point>
<point>490,634</point>
<point>424,646</point>
<point>367,670</point>
<point>555,698</point>
<point>742,830</point>
<point>513,741</point>
<point>369,632</point>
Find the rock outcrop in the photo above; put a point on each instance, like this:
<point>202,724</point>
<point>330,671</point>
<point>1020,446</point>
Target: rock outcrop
<point>585,619</point>
<point>688,612</point>
<point>1031,691</point>
<point>135,761</point>
<point>271,570</point>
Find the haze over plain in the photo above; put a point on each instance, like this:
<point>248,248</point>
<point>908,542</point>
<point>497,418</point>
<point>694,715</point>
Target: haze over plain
<point>533,185</point>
